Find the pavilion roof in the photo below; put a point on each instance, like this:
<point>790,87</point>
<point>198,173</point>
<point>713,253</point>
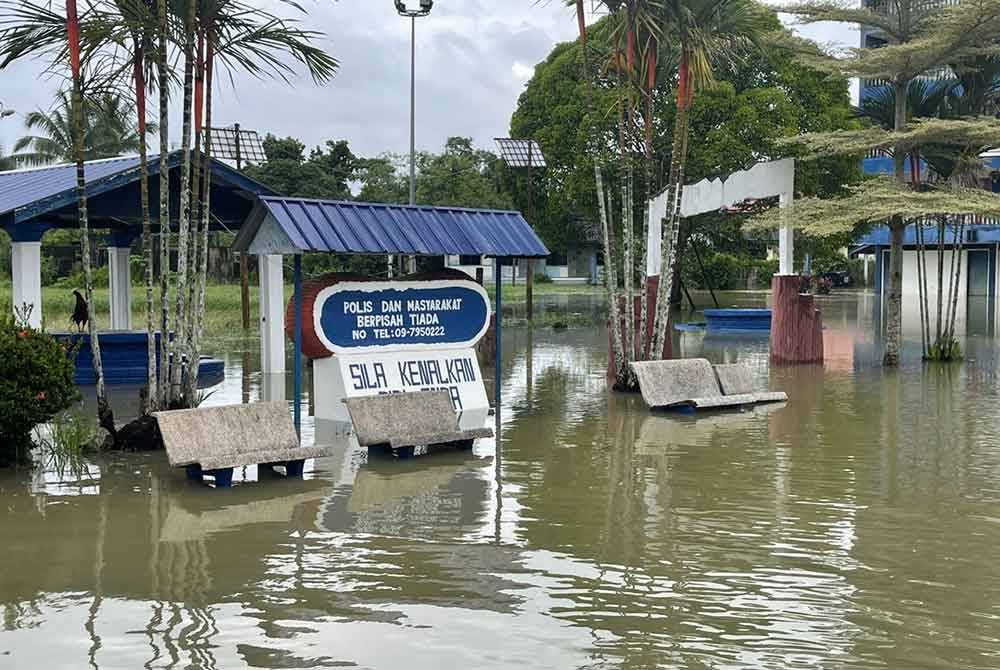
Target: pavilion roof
<point>294,225</point>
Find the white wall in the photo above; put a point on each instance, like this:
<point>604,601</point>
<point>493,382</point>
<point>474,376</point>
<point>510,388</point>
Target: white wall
<point>911,291</point>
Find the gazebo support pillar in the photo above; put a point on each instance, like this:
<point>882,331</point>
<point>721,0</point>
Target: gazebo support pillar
<point>26,269</point>
<point>120,279</point>
<point>272,314</point>
<point>26,276</point>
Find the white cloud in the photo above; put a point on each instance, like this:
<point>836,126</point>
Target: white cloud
<point>473,59</point>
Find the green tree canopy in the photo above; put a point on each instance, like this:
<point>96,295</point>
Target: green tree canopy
<point>756,101</point>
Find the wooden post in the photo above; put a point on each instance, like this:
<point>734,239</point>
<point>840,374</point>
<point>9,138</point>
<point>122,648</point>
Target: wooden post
<point>479,275</point>
<point>530,288</point>
<point>796,324</point>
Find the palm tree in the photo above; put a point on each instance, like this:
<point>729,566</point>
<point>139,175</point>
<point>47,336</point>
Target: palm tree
<point>105,415</point>
<point>610,280</point>
<point>108,131</point>
<point>259,43</point>
<point>705,32</point>
<point>137,22</point>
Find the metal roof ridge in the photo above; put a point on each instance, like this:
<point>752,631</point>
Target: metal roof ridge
<point>359,203</point>
<point>63,166</point>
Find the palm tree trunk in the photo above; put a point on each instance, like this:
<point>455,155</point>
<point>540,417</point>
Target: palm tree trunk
<point>897,229</point>
<point>922,297</point>
<point>671,223</point>
<point>196,196</point>
<point>206,218</point>
<point>940,281</point>
<point>164,86</point>
<point>147,227</point>
<point>648,127</point>
<point>610,280</point>
<point>105,415</point>
<point>953,294</point>
<point>184,216</point>
<point>628,324</point>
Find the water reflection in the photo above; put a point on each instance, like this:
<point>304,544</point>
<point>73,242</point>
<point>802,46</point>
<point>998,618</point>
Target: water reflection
<point>853,526</point>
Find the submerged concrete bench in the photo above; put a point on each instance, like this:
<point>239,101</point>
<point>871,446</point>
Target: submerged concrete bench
<point>401,421</point>
<point>696,383</point>
<point>214,440</point>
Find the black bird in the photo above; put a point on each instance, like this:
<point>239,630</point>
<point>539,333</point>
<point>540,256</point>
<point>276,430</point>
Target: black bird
<point>81,313</point>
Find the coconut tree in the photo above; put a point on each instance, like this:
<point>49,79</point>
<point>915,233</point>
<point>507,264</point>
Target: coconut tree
<point>705,32</point>
<point>109,129</point>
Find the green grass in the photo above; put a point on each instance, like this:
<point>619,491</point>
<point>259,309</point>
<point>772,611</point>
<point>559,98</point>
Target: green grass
<point>222,305</point>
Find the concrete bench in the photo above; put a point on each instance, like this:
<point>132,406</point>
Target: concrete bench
<point>402,421</point>
<point>214,440</point>
<point>697,384</point>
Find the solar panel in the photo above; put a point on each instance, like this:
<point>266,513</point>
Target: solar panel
<point>520,153</point>
<point>224,145</point>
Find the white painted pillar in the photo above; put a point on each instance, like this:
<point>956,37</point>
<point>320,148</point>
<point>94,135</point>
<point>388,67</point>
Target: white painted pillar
<point>26,275</point>
<point>786,238</point>
<point>120,285</point>
<point>272,315</point>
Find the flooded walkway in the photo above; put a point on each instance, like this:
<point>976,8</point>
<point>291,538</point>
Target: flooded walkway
<point>856,526</point>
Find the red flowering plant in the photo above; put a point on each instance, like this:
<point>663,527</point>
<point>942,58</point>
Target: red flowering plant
<point>36,383</point>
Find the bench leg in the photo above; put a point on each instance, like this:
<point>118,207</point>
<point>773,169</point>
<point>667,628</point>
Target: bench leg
<point>194,472</point>
<point>223,477</point>
<point>294,468</point>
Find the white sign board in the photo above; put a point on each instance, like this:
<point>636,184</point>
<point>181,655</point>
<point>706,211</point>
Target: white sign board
<point>360,375</point>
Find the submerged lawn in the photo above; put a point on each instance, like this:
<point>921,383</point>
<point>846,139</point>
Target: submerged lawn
<point>222,304</point>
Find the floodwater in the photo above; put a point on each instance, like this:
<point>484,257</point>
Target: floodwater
<point>856,526</point>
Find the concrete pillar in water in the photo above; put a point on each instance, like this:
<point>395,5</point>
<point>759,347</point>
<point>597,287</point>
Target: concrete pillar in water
<point>120,285</point>
<point>272,315</point>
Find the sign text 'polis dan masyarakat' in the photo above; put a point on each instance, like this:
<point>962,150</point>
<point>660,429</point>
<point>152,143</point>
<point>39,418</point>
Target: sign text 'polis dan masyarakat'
<point>356,317</point>
<point>401,337</point>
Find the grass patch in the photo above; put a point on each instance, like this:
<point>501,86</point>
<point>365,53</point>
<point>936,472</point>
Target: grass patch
<point>222,305</point>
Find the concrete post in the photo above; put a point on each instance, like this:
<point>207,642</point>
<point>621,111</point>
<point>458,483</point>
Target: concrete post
<point>786,239</point>
<point>120,285</point>
<point>26,275</point>
<point>272,315</point>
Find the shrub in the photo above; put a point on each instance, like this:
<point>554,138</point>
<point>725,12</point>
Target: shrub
<point>542,278</point>
<point>722,272</point>
<point>76,280</point>
<point>36,383</point>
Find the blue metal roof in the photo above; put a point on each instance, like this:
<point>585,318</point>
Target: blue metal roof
<point>36,192</point>
<point>294,225</point>
<point>980,233</point>
<point>20,188</point>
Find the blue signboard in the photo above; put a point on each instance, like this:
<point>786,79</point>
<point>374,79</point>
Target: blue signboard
<point>356,317</point>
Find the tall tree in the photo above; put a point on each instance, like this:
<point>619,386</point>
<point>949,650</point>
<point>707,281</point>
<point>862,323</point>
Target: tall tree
<point>105,414</point>
<point>705,32</point>
<point>915,38</point>
<point>109,129</point>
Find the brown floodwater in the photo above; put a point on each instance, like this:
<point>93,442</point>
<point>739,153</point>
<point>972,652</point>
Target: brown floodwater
<point>855,526</point>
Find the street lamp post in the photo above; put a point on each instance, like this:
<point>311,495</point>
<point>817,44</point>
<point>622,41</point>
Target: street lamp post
<point>423,9</point>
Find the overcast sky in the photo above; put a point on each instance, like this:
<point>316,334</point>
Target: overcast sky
<point>473,59</point>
